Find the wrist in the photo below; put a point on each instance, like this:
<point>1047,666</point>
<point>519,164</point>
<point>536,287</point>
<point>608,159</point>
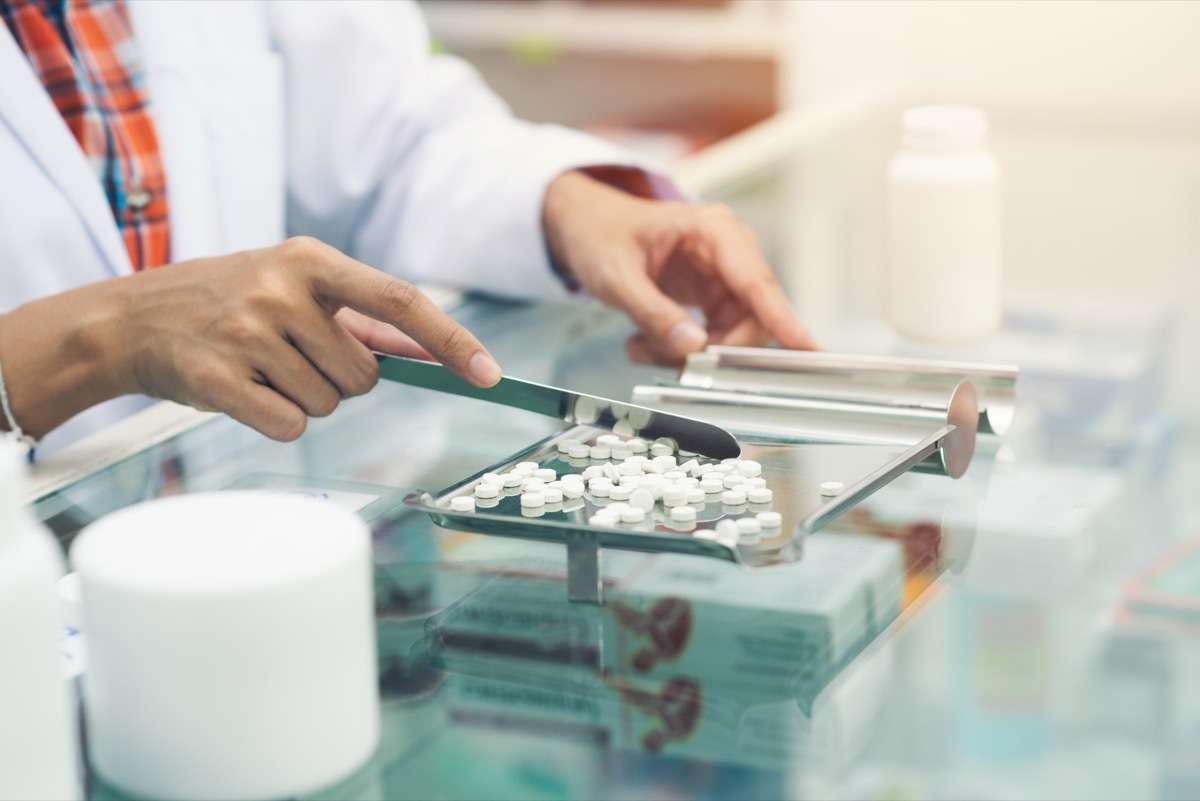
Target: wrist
<point>59,358</point>
<point>561,194</point>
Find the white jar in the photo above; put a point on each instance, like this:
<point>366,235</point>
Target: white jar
<point>943,200</point>
<point>231,646</point>
<point>39,736</point>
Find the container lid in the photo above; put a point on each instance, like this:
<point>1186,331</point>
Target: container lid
<point>218,544</point>
<point>946,127</point>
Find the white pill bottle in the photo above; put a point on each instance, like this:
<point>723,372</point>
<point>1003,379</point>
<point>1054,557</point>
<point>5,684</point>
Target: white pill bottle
<point>38,732</point>
<point>943,231</point>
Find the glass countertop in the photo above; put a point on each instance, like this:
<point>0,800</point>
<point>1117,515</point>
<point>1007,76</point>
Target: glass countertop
<point>1031,630</point>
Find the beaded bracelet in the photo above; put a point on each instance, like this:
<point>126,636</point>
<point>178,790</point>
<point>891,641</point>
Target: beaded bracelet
<point>14,430</point>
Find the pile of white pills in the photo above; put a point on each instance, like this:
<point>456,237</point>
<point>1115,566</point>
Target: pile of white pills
<point>629,479</point>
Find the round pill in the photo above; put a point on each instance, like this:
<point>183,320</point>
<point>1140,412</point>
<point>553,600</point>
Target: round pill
<point>712,485</point>
<point>579,451</point>
<point>733,497</point>
<point>564,445</point>
<point>637,445</point>
<point>683,514</point>
<point>621,492</point>
<point>689,467</point>
<point>727,531</point>
<point>526,466</point>
<point>749,468</point>
<point>545,474</point>
<point>512,479</point>
<point>592,472</point>
<point>486,491</point>
<point>732,461</point>
<point>599,452</point>
<point>658,449</point>
<point>599,481</point>
<point>552,495</point>
<point>567,478</point>
<point>607,439</point>
<point>610,472</point>
<point>702,469</point>
<point>759,495</point>
<point>704,534</point>
<point>723,469</point>
<point>831,488</point>
<point>674,475</point>
<point>695,495</point>
<point>630,481</point>
<point>733,480</point>
<point>674,495</point>
<point>633,514</point>
<point>627,469</point>
<point>749,525</point>
<point>652,467</point>
<point>666,442</point>
<point>621,451</point>
<point>572,490</point>
<point>756,481</point>
<point>533,485</point>
<point>770,519</point>
<point>688,481</point>
<point>492,478</point>
<point>642,499</point>
<point>462,503</point>
<point>602,520</point>
<point>533,499</point>
<point>668,462</point>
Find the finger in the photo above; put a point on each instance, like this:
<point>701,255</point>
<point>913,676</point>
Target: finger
<point>292,375</point>
<point>736,258</point>
<point>380,336</point>
<point>640,351</point>
<point>255,405</point>
<point>350,283</point>
<point>344,360</point>
<point>666,326</point>
<point>748,332</point>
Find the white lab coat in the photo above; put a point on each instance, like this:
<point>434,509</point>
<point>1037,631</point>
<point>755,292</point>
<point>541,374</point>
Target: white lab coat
<point>274,119</point>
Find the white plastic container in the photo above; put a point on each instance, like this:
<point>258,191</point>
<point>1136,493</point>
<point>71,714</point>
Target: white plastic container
<point>231,646</point>
<point>943,202</point>
<point>39,735</point>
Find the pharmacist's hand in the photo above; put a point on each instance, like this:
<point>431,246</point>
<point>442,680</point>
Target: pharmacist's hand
<point>653,258</point>
<point>274,336</point>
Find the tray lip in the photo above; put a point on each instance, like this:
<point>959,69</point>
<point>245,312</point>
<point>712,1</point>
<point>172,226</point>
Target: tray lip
<point>558,531</point>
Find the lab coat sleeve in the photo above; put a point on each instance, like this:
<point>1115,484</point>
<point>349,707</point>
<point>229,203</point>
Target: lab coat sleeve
<point>407,161</point>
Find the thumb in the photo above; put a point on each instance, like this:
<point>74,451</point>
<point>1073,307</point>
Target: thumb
<point>666,326</point>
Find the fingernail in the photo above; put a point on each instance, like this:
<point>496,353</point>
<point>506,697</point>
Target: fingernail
<point>686,337</point>
<point>483,369</point>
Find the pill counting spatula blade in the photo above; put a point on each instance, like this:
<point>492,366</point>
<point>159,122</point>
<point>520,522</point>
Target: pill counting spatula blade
<point>573,407</point>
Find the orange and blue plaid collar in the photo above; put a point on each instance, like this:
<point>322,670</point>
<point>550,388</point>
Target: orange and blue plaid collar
<point>84,53</point>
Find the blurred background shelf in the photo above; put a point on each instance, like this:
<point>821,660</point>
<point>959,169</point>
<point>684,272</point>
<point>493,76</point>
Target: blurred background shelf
<point>685,29</point>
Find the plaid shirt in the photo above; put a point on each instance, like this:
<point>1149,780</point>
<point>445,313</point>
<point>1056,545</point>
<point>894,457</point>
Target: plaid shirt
<point>84,53</point>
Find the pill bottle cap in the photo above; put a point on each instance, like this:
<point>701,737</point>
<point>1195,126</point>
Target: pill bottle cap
<point>12,490</point>
<point>944,128</point>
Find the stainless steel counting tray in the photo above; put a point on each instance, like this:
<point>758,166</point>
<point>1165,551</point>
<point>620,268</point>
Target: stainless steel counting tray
<point>793,471</point>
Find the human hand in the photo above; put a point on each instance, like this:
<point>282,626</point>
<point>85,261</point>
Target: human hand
<point>269,337</point>
<point>652,258</point>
